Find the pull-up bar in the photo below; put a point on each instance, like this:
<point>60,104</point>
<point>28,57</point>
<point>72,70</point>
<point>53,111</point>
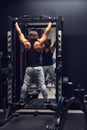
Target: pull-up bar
<point>28,18</point>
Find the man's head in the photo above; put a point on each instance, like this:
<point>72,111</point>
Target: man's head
<point>33,35</point>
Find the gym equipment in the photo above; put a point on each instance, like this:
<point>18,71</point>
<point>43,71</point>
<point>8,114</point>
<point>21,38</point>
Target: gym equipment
<point>61,106</point>
<point>17,66</point>
<point>79,97</point>
<point>51,19</point>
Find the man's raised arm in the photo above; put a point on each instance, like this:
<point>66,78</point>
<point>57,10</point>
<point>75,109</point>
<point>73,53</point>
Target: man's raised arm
<point>20,34</point>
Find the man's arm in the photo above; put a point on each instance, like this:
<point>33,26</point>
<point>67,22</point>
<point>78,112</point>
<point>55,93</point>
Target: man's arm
<point>46,33</point>
<point>21,36</point>
<point>53,46</point>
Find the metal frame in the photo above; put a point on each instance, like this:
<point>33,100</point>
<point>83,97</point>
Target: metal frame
<point>60,113</point>
<point>12,82</point>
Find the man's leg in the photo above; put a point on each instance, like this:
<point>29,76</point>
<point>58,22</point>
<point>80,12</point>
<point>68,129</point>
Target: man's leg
<point>26,84</point>
<point>51,71</point>
<point>41,82</point>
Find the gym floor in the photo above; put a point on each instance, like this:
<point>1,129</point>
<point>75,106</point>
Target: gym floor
<point>24,121</point>
<point>38,118</point>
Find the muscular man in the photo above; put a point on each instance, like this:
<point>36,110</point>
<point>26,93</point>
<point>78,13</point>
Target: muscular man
<point>47,59</point>
<point>33,45</point>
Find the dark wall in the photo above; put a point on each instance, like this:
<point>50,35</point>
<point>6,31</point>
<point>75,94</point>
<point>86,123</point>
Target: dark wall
<point>74,30</point>
<point>73,11</point>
